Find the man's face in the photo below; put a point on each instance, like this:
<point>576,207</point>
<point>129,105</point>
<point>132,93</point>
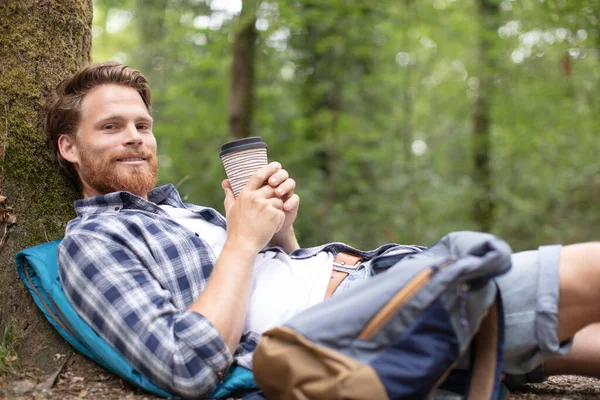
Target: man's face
<point>114,148</point>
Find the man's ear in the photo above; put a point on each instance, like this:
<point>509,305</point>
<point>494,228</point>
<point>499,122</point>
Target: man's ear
<point>68,148</point>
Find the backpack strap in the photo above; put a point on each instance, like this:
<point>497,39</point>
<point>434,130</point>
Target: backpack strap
<point>487,348</point>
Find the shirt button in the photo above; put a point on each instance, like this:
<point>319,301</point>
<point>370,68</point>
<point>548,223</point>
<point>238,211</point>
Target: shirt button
<point>117,208</point>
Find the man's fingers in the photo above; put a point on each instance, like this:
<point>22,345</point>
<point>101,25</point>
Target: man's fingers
<point>276,202</point>
<point>261,176</point>
<point>292,203</point>
<point>278,177</point>
<point>267,192</point>
<point>229,197</point>
<point>287,187</point>
<point>225,184</point>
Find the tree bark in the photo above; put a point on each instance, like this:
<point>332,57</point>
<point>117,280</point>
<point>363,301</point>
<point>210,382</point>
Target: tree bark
<point>241,103</point>
<point>41,42</point>
<point>484,204</point>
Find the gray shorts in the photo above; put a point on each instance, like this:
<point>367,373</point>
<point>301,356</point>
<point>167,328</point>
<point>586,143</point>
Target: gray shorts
<point>530,298</point>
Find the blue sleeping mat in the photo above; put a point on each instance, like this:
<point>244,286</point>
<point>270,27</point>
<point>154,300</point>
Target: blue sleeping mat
<point>38,269</point>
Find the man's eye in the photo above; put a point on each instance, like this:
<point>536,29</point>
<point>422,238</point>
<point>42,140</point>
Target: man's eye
<point>110,126</point>
<point>143,127</point>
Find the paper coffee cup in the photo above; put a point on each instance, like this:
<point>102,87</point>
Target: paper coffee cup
<point>242,158</point>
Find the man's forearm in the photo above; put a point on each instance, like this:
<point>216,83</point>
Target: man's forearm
<point>286,240</point>
<point>226,296</point>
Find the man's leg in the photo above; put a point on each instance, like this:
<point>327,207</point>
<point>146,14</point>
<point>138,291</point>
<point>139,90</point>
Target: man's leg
<point>579,301</point>
<point>584,357</point>
<point>552,295</point>
<point>579,310</point>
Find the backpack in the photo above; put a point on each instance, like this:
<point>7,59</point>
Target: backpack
<point>400,334</point>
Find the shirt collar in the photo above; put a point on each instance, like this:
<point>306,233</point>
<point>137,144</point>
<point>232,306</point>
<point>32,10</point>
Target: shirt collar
<point>116,201</point>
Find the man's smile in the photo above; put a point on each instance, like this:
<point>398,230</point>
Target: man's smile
<point>133,159</point>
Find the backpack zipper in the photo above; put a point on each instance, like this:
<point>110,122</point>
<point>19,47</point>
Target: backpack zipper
<point>401,297</point>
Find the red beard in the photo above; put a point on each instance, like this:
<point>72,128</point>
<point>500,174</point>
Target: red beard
<point>107,176</point>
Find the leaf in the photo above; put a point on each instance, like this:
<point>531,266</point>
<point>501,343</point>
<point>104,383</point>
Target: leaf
<point>11,219</point>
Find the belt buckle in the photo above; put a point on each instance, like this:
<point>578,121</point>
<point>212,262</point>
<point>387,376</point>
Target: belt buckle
<point>346,261</point>
<point>343,264</point>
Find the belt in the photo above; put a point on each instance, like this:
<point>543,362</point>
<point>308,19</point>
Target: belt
<point>343,260</point>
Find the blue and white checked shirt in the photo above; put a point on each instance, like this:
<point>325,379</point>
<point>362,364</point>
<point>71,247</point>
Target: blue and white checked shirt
<point>131,272</point>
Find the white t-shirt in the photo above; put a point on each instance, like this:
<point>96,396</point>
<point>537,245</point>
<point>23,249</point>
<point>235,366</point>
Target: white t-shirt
<point>281,286</point>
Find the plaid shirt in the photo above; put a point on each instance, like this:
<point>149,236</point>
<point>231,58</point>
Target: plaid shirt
<point>131,272</point>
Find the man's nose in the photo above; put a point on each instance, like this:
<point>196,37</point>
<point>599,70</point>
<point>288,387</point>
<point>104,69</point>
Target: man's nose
<point>132,135</point>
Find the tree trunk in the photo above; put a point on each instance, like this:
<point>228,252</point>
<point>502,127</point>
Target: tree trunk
<point>484,204</point>
<point>410,193</point>
<point>321,98</point>
<point>241,102</point>
<point>151,56</point>
<point>41,42</point>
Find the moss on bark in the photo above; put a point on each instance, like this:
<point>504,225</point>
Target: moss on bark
<point>41,42</point>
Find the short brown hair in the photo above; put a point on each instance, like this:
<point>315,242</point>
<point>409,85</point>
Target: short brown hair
<point>64,108</point>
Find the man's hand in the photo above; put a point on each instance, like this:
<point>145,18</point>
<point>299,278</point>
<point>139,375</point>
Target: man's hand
<point>284,187</point>
<point>258,212</point>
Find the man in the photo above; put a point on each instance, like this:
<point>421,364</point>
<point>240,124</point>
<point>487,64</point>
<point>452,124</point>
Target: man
<point>182,295</point>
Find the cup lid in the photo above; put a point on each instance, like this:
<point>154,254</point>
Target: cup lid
<point>254,142</point>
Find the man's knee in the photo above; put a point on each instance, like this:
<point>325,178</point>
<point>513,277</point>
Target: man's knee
<point>579,274</point>
<point>580,270</point>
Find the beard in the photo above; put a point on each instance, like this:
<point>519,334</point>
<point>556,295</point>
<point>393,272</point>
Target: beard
<point>107,176</point>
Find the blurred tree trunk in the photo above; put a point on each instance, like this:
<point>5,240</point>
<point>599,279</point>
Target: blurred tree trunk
<point>151,56</point>
<point>326,56</point>
<point>241,103</point>
<point>321,98</point>
<point>151,14</point>
<point>484,204</point>
<point>410,194</point>
<point>41,43</point>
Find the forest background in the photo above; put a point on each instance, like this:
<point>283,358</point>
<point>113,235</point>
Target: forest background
<point>400,120</point>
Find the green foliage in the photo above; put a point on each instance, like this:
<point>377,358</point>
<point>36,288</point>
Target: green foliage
<point>8,352</point>
<point>370,106</point>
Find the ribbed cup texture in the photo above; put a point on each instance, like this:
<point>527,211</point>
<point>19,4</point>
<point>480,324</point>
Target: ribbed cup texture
<point>240,165</point>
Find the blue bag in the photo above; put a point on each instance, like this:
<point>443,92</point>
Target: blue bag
<point>38,269</point>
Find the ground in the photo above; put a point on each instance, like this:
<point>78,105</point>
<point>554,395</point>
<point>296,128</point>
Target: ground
<point>80,379</point>
<point>561,388</point>
<point>77,378</point>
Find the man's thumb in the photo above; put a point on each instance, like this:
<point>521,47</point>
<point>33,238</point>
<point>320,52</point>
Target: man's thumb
<point>229,197</point>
